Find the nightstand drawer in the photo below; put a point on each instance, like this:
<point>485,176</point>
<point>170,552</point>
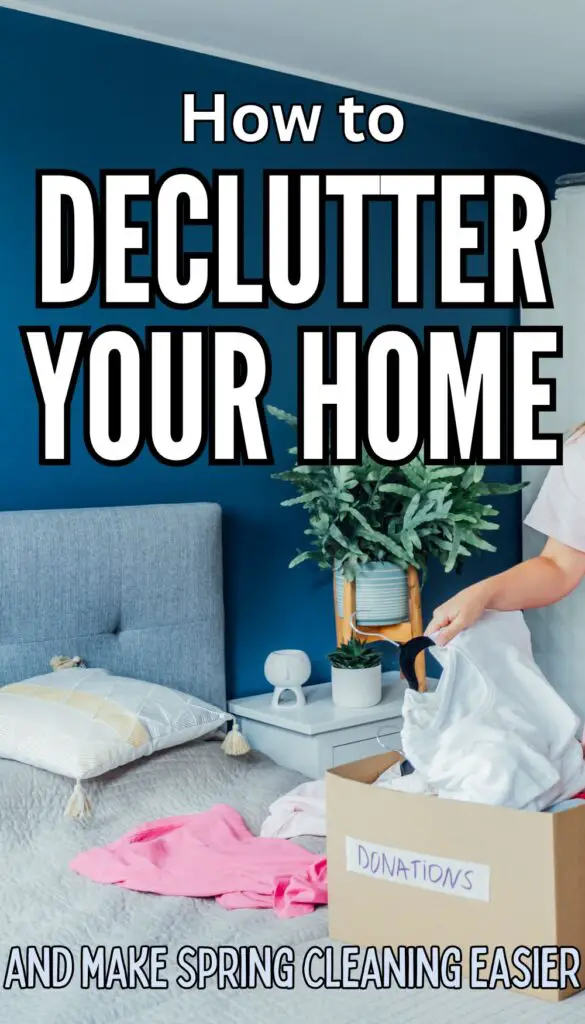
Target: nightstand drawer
<point>313,737</point>
<point>355,751</point>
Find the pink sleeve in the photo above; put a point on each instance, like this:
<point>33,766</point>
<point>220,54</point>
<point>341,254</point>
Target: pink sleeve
<point>559,509</point>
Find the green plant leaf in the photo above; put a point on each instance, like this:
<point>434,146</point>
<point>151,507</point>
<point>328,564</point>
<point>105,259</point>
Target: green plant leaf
<point>302,556</point>
<point>400,489</point>
<point>301,499</point>
<point>479,542</point>
<point>337,535</point>
<point>439,473</point>
<point>454,552</point>
<point>280,414</point>
<point>499,488</point>
<point>411,510</point>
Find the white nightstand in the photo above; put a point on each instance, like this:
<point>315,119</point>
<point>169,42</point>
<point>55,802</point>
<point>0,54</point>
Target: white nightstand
<point>318,736</point>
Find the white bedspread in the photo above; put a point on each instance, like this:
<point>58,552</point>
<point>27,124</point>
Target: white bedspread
<point>43,903</point>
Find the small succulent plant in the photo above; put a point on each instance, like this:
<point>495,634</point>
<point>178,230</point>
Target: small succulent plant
<point>355,654</point>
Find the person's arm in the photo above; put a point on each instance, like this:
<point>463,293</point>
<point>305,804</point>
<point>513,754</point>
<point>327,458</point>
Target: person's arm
<point>531,584</point>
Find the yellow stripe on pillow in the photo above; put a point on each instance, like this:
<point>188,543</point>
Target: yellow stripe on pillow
<point>127,725</point>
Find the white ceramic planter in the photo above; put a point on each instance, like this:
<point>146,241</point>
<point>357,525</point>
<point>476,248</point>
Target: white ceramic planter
<point>356,687</point>
<point>287,670</point>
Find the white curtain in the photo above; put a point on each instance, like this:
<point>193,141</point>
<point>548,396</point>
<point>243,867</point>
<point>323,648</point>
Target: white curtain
<point>558,632</point>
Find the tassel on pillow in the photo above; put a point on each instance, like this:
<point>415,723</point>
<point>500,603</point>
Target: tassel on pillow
<point>79,805</point>
<point>60,661</point>
<point>235,745</point>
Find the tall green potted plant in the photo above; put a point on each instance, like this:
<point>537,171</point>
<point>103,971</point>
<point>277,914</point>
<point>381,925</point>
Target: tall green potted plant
<point>370,522</point>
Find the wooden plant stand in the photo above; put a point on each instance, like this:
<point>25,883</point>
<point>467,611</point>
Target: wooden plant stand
<point>399,631</point>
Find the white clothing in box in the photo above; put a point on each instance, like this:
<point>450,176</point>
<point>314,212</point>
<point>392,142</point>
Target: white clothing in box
<point>494,731</point>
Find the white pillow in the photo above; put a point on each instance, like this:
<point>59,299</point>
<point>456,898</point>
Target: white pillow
<point>83,722</point>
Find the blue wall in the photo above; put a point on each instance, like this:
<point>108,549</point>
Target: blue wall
<point>83,100</point>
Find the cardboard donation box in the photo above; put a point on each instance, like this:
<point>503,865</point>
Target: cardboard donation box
<point>504,887</point>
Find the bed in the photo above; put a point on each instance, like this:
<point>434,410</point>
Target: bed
<point>139,591</point>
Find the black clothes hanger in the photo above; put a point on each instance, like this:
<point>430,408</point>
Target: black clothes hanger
<point>406,658</point>
<point>407,654</point>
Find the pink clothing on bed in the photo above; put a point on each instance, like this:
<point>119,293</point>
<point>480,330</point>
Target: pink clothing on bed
<point>211,854</point>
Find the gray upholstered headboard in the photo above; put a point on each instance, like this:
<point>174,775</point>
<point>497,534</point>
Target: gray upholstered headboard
<point>134,590</point>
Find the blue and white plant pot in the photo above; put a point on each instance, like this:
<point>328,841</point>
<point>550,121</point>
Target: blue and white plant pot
<point>381,594</point>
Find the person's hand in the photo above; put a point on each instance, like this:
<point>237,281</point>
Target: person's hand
<point>459,612</point>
